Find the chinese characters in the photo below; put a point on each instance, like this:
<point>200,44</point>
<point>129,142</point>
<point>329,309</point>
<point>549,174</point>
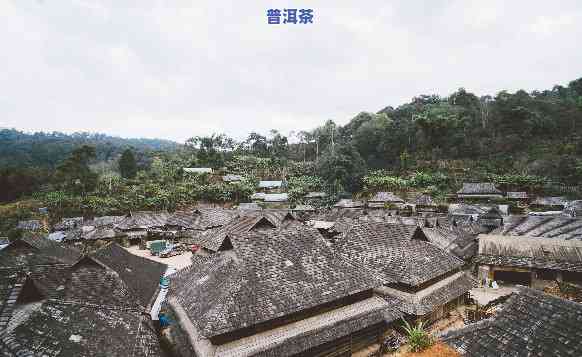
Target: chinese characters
<point>289,16</point>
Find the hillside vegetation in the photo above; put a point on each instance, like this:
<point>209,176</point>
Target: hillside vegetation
<point>521,141</point>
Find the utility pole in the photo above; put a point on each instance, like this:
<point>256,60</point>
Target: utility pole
<point>316,148</point>
<point>332,132</point>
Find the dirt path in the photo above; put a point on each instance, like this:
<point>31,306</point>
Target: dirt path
<point>177,262</point>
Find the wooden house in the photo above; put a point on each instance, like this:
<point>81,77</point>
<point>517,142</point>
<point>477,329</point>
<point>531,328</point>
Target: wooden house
<point>529,260</point>
<point>479,191</point>
<point>424,203</point>
<point>426,278</point>
<point>526,325</point>
<point>520,196</point>
<point>277,293</point>
<point>382,200</point>
<point>549,203</point>
<point>94,306</point>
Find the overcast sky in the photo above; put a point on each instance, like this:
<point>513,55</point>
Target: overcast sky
<point>197,67</point>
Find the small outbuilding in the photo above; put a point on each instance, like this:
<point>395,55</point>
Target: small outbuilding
<point>479,190</point>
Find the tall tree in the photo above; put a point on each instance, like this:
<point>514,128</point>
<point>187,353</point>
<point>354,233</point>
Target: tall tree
<point>74,174</point>
<point>127,164</point>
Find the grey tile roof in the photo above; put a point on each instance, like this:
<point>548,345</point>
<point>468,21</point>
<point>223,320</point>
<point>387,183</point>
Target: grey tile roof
<point>540,226</point>
<point>104,221</point>
<point>276,197</point>
<point>67,329</point>
<point>144,220</point>
<point>424,200</point>
<point>457,209</point>
<point>258,196</point>
<point>348,203</point>
<point>267,219</point>
<point>315,195</point>
<point>30,225</point>
<point>455,240</point>
<point>231,178</point>
<point>141,275</point>
<point>531,323</point>
<point>309,208</point>
<point>478,188</point>
<point>574,208</point>
<point>386,197</point>
<point>550,201</point>
<point>270,184</point>
<point>268,275</point>
<point>314,331</point>
<point>198,170</point>
<point>517,195</point>
<point>32,250</point>
<point>427,300</point>
<point>398,253</point>
<point>534,252</point>
<point>68,223</point>
<point>246,206</point>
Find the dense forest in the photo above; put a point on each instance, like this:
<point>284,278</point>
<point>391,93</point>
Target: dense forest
<point>521,139</point>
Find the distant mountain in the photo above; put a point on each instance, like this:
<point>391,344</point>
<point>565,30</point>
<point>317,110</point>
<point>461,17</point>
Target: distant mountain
<point>46,150</point>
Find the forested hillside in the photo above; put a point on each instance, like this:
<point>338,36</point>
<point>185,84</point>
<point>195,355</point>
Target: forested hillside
<point>47,150</point>
<point>522,140</point>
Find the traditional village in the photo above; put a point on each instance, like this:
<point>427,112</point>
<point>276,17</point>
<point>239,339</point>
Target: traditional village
<point>291,179</point>
<point>381,275</point>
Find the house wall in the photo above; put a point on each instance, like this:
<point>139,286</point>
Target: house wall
<point>347,345</point>
<point>442,311</point>
<point>271,324</point>
<point>539,278</point>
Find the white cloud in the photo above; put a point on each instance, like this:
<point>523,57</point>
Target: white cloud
<point>157,70</point>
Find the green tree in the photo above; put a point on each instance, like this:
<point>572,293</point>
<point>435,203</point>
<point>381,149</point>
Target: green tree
<point>343,166</point>
<point>127,165</point>
<point>74,174</point>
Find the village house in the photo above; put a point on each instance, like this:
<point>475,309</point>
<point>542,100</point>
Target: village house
<point>479,191</point>
<point>520,196</point>
<point>249,206</point>
<point>272,200</point>
<point>271,186</point>
<point>385,200</point>
<point>277,293</point>
<point>427,279</point>
<point>532,251</point>
<point>139,226</point>
<point>219,238</point>
<point>573,209</point>
<point>529,260</point>
<point>92,305</point>
<point>30,225</point>
<point>453,239</point>
<point>491,219</point>
<point>230,178</point>
<point>303,209</point>
<point>197,170</point>
<point>349,204</point>
<point>315,195</point>
<point>549,204</point>
<point>424,204</point>
<point>530,323</point>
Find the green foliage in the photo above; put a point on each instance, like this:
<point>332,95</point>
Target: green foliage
<point>127,165</point>
<point>74,174</point>
<point>421,179</point>
<point>47,150</point>
<point>518,181</point>
<point>299,186</point>
<point>381,180</point>
<point>342,167</point>
<point>418,339</point>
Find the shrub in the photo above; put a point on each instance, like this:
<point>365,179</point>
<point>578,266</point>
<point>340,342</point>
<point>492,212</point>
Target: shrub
<point>418,339</point>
